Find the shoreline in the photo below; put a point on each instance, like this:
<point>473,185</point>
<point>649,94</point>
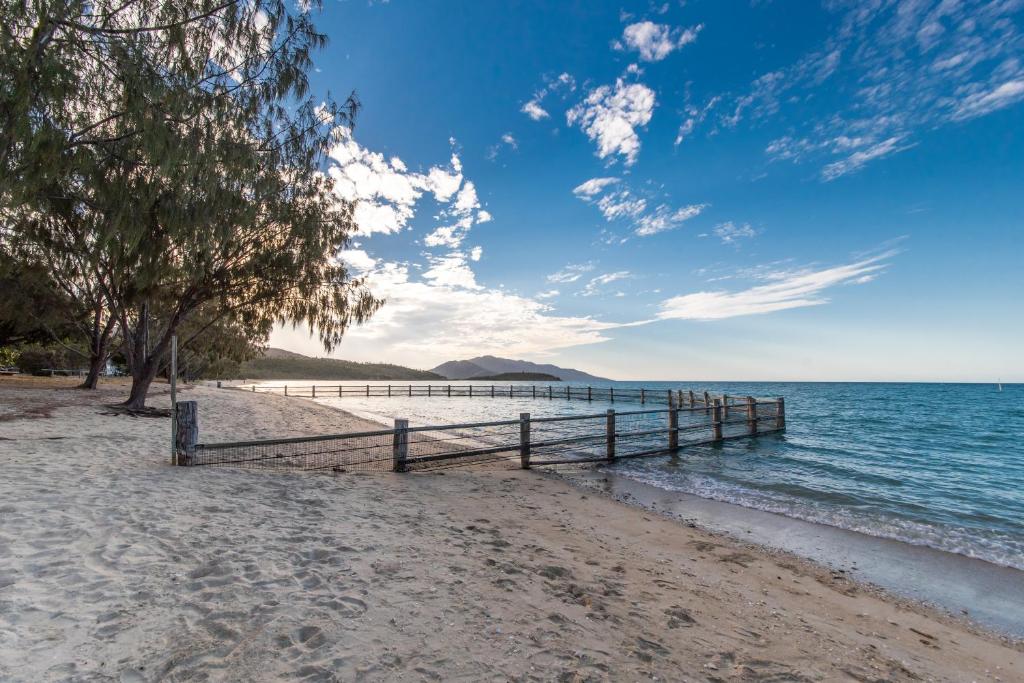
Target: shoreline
<point>982,594</point>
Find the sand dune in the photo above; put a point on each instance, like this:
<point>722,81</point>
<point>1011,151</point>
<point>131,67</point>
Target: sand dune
<point>115,566</point>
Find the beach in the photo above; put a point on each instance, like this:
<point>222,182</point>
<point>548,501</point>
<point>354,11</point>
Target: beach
<point>116,566</point>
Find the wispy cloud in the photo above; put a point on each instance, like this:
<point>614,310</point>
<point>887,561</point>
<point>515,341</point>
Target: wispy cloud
<point>654,41</point>
<point>665,218</point>
<point>597,283</point>
<point>917,66</point>
<point>784,290</point>
<point>593,186</point>
<point>610,115</point>
<point>731,233</point>
<point>571,273</point>
<point>647,215</point>
<point>534,110</point>
<point>563,83</point>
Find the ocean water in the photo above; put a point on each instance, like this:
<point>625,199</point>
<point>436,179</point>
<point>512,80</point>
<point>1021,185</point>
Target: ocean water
<point>939,465</point>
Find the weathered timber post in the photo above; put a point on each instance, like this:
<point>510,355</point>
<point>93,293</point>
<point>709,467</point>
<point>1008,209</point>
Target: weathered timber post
<point>400,444</point>
<point>449,391</point>
<point>669,398</point>
<point>524,440</point>
<point>673,427</point>
<point>707,400</point>
<point>611,394</point>
<point>340,392</point>
<point>492,391</point>
<point>285,389</point>
<point>429,388</point>
<point>410,390</point>
<point>510,390</point>
<point>589,394</point>
<point>716,421</point>
<point>643,399</point>
<point>780,413</point>
<point>314,391</point>
<point>254,388</point>
<point>186,431</point>
<point>367,390</point>
<point>751,415</point>
<point>471,391</point>
<point>610,434</point>
<point>389,391</point>
<point>549,392</point>
<point>534,387</point>
<point>568,396</point>
<point>725,407</point>
<point>693,399</point>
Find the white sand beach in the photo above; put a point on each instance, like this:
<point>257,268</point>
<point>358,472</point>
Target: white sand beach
<point>116,566</point>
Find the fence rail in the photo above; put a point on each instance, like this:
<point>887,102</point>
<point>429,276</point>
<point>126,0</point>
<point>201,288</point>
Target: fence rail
<point>526,442</point>
<point>641,395</point>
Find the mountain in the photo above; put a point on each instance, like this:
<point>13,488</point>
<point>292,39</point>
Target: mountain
<point>518,377</point>
<point>281,364</point>
<point>492,365</point>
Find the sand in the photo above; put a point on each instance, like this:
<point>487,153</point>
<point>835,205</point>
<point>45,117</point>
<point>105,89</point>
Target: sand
<point>116,566</point>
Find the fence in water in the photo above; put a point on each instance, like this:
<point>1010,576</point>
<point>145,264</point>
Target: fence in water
<point>524,442</point>
<point>678,397</point>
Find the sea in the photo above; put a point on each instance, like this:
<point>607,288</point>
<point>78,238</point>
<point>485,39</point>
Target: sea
<point>935,465</point>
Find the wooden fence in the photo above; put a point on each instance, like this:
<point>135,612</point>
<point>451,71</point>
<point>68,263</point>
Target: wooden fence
<point>643,396</point>
<point>527,442</point>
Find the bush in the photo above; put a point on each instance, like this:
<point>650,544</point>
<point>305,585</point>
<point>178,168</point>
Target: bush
<point>35,358</point>
<point>8,356</point>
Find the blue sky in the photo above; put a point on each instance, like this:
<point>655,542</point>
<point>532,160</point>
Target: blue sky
<point>693,191</point>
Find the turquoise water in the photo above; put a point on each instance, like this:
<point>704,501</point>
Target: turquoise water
<point>940,465</point>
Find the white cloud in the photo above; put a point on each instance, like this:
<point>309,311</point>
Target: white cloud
<point>534,110</point>
<point>510,140</point>
<point>785,290</point>
<point>549,294</point>
<point>610,116</point>
<point>571,273</point>
<point>594,286</point>
<point>653,41</point>
<point>856,160</point>
<point>450,271</point>
<point>593,186</point>
<point>981,103</point>
<point>730,233</point>
<point>620,205</point>
<point>665,218</point>
<point>475,253</point>
<point>357,259</point>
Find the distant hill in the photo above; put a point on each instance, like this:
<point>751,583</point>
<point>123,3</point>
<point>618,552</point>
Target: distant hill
<point>281,364</point>
<point>519,377</point>
<point>482,366</point>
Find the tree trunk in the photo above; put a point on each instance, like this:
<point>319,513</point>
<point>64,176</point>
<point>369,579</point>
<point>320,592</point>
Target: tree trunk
<point>142,377</point>
<point>98,351</point>
<point>96,364</point>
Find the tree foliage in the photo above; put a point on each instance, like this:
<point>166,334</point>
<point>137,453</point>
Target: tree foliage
<point>169,155</point>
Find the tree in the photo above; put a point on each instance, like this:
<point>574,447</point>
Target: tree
<point>189,166</point>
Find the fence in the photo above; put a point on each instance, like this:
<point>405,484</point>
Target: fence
<point>678,397</point>
<point>525,442</point>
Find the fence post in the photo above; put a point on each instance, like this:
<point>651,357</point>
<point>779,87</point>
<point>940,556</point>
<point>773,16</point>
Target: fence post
<point>673,426</point>
<point>389,391</point>
<point>725,407</point>
<point>679,398</point>
<point>751,415</point>
<point>610,432</point>
<point>568,396</point>
<point>449,391</point>
<point>716,421</point>
<point>401,444</point>
<point>707,403</point>
<point>524,440</point>
<point>429,389</point>
<point>471,391</point>
<point>693,399</point>
<point>339,390</point>
<point>642,397</point>
<point>510,386</point>
<point>780,413</point>
<point>589,394</point>
<point>186,431</point>
<point>314,391</point>
<point>549,392</point>
<point>669,398</point>
<point>367,390</point>
<point>611,394</point>
<point>254,388</point>
<point>410,390</point>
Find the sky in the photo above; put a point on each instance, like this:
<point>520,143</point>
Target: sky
<point>689,190</point>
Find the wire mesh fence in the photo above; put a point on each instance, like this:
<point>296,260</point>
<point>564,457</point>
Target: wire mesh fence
<point>524,442</point>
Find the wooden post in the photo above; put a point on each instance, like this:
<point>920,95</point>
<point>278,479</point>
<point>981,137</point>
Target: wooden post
<point>400,444</point>
<point>429,388</point>
<point>285,389</point>
<point>449,391</point>
<point>367,390</point>
<point>174,398</point>
<point>568,396</point>
<point>673,427</point>
<point>534,387</point>
<point>254,388</point>
<point>611,394</point>
<point>549,392</point>
<point>186,431</point>
<point>389,391</point>
<point>610,434</point>
<point>471,391</point>
<point>314,391</point>
<point>589,394</point>
<point>725,406</point>
<point>524,440</point>
<point>510,390</point>
<point>410,390</point>
<point>693,399</point>
<point>780,414</point>
<point>751,415</point>
<point>642,397</point>
<point>492,391</point>
<point>716,421</point>
<point>669,398</point>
